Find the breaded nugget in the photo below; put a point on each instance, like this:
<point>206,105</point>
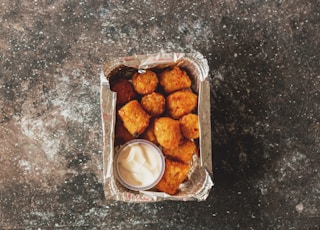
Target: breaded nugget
<point>145,83</point>
<point>149,133</point>
<point>167,132</point>
<point>134,118</point>
<point>175,173</point>
<point>174,79</point>
<point>181,103</point>
<point>124,89</point>
<point>153,103</point>
<point>183,152</point>
<point>122,135</point>
<point>189,125</point>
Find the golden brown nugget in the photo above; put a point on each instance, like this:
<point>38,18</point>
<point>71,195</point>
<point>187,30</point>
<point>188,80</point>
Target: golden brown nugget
<point>175,173</point>
<point>124,89</point>
<point>167,132</point>
<point>181,103</point>
<point>145,83</point>
<point>153,103</point>
<point>122,135</point>
<point>134,118</point>
<point>189,125</point>
<point>174,79</point>
<point>183,152</point>
<point>149,133</point>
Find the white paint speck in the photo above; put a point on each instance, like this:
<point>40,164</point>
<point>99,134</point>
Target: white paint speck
<point>299,207</point>
<point>25,165</point>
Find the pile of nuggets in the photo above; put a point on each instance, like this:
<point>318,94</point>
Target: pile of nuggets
<point>161,108</point>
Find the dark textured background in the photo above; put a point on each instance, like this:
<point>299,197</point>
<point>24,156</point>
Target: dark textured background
<point>265,93</point>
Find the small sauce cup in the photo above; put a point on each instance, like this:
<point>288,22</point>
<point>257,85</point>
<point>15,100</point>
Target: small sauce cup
<point>139,165</point>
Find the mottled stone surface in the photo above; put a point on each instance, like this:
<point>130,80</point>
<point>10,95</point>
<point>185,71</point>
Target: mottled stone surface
<point>265,93</point>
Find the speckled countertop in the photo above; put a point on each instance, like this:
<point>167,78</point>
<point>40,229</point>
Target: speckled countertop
<point>265,93</point>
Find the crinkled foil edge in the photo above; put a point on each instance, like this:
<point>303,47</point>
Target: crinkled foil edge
<point>112,189</point>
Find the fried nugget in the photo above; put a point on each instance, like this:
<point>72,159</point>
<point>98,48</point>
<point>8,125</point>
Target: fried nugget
<point>167,132</point>
<point>181,103</point>
<point>122,135</point>
<point>183,152</point>
<point>174,79</point>
<point>134,118</point>
<point>145,83</point>
<point>189,125</point>
<point>153,103</point>
<point>149,133</point>
<point>175,173</point>
<point>124,89</point>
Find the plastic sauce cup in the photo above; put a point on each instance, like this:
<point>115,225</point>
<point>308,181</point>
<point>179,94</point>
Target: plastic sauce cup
<point>139,165</point>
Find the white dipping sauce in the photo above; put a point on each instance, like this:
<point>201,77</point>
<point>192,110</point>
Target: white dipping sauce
<point>140,164</point>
